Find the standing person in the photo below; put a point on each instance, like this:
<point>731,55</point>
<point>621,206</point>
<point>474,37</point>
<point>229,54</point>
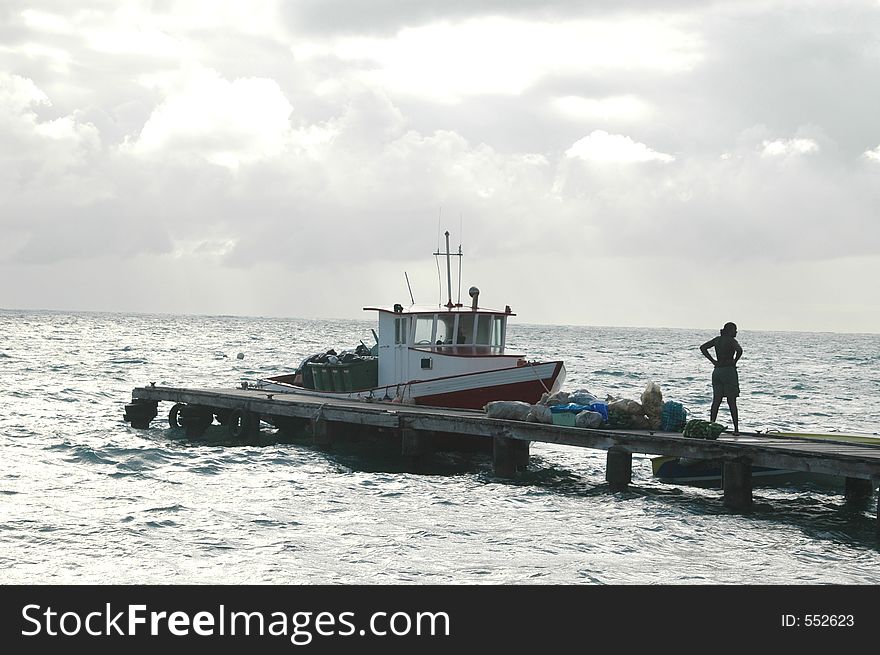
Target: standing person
<point>725,380</point>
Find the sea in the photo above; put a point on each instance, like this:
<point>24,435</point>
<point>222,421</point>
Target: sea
<point>86,499</point>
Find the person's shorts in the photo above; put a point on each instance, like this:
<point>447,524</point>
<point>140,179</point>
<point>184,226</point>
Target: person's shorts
<point>725,382</point>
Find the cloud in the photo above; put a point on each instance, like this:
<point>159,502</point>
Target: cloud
<point>872,155</point>
<point>488,55</point>
<point>225,122</point>
<point>788,147</point>
<point>290,138</point>
<point>18,95</point>
<point>43,158</point>
<point>614,108</point>
<point>385,17</point>
<point>600,146</point>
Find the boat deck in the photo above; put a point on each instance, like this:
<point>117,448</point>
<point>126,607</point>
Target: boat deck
<point>859,463</point>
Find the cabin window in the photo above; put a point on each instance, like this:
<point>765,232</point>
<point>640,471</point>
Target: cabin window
<point>484,329</point>
<point>401,327</point>
<point>445,325</point>
<point>465,329</point>
<point>424,329</point>
<point>497,331</point>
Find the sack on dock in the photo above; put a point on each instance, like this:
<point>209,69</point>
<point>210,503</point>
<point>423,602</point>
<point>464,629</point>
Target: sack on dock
<point>600,407</point>
<point>627,406</point>
<point>540,414</point>
<point>627,414</point>
<point>588,419</point>
<point>652,402</point>
<point>619,419</point>
<point>699,429</point>
<point>673,416</point>
<point>558,398</point>
<point>510,409</point>
<point>582,397</point>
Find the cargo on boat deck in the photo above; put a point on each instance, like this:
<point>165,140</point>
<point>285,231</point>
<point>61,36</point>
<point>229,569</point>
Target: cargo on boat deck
<point>361,373</point>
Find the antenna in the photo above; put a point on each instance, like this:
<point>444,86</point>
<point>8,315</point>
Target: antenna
<point>449,255</point>
<point>437,260</point>
<point>459,259</point>
<point>459,274</point>
<point>448,271</point>
<point>410,288</point>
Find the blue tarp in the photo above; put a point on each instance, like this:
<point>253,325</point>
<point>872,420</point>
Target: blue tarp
<point>574,408</point>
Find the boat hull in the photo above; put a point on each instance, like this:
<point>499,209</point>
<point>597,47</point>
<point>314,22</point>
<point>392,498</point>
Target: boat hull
<point>468,391</point>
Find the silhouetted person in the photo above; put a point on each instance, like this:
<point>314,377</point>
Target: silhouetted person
<point>725,380</point>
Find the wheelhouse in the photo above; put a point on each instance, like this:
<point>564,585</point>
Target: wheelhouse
<point>451,331</point>
<point>430,342</point>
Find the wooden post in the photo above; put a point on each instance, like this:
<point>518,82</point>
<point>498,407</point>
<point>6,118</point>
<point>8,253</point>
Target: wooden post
<point>140,412</point>
<point>858,490</point>
<point>522,454</point>
<point>322,433</point>
<point>618,468</point>
<point>737,480</point>
<point>253,433</point>
<point>289,428</point>
<point>414,443</point>
<point>504,457</point>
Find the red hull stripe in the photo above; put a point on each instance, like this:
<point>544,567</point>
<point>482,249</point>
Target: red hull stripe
<point>529,391</point>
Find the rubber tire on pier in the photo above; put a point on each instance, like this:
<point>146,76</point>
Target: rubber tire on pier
<point>173,415</point>
<point>195,419</point>
<point>240,423</point>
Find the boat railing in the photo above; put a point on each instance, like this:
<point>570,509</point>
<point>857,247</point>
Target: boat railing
<point>466,350</point>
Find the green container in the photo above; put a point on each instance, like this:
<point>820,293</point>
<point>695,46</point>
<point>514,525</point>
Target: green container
<point>321,376</point>
<point>353,376</point>
<point>337,377</point>
<point>362,374</point>
<point>327,378</point>
<point>564,418</point>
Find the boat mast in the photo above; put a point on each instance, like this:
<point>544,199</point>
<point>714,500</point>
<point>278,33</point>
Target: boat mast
<point>449,255</point>
<point>448,271</point>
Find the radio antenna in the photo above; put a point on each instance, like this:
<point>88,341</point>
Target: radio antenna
<point>459,259</point>
<point>437,259</point>
<point>410,288</point>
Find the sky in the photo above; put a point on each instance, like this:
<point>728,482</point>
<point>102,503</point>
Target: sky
<point>668,163</point>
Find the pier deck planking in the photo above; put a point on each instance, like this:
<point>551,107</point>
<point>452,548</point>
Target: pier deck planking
<point>854,461</point>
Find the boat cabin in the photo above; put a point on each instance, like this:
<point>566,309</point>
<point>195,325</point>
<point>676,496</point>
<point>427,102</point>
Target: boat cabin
<point>419,343</point>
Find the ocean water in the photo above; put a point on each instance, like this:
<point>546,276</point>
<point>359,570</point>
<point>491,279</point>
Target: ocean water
<point>84,498</point>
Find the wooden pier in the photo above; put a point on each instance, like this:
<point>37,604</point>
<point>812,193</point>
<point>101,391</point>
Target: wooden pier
<point>418,430</point>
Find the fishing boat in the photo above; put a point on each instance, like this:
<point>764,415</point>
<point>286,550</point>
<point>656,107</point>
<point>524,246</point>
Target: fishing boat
<point>443,356</point>
<point>707,472</point>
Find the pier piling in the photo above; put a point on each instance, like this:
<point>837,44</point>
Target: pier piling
<point>858,490</point>
<point>504,456</point>
<point>737,482</point>
<point>322,433</point>
<point>618,468</point>
<point>414,443</point>
<point>521,453</point>
<point>416,430</point>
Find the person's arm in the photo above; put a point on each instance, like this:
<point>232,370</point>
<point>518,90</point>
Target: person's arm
<point>737,353</point>
<point>705,350</point>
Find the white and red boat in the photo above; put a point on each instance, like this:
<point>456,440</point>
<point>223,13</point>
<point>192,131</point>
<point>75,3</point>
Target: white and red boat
<point>443,356</point>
